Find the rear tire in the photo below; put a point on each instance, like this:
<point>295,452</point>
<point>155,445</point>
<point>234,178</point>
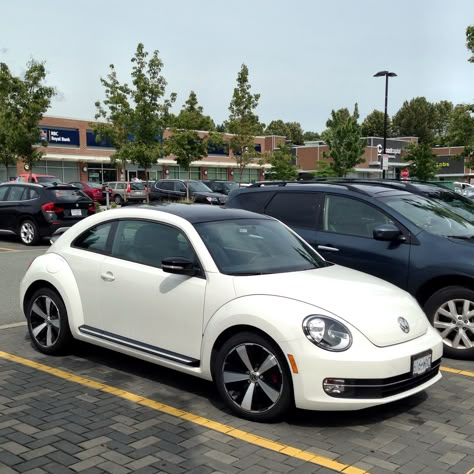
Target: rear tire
<point>253,378</point>
<point>451,312</point>
<point>118,200</point>
<point>48,323</point>
<point>29,234</point>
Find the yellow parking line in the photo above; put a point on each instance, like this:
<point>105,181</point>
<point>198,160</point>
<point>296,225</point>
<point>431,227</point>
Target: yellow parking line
<point>198,420</point>
<point>466,373</point>
<point>7,249</point>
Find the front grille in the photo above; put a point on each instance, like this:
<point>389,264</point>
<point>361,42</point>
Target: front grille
<point>383,388</point>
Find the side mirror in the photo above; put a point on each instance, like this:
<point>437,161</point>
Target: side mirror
<point>178,266</point>
<point>388,232</point>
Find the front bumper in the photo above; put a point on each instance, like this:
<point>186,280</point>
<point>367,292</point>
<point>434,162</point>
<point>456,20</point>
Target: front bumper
<point>371,375</point>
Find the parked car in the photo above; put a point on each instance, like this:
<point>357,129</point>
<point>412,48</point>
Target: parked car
<point>233,297</point>
<point>95,191</point>
<point>175,190</point>
<point>130,191</point>
<point>33,211</point>
<point>223,187</point>
<point>38,178</point>
<point>408,239</point>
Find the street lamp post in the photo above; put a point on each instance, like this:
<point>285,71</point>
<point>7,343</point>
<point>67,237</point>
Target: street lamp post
<point>387,74</point>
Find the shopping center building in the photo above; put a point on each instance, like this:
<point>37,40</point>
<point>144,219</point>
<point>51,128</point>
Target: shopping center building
<point>74,154</point>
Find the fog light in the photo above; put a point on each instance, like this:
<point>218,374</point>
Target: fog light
<point>334,386</point>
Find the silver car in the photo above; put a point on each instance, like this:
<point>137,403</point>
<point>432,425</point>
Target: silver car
<point>133,191</point>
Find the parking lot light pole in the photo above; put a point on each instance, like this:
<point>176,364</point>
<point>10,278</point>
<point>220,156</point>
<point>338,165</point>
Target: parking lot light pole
<point>387,74</point>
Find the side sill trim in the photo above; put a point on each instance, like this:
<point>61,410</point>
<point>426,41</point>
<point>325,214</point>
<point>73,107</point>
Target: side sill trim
<point>140,346</point>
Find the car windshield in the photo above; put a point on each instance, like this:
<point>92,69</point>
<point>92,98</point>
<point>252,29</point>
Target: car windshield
<point>231,185</point>
<point>257,247</point>
<point>198,187</point>
<point>457,203</point>
<point>48,179</point>
<point>431,215</point>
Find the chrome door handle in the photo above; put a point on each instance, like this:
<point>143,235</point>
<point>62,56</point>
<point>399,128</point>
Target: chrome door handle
<point>107,276</point>
<point>329,249</point>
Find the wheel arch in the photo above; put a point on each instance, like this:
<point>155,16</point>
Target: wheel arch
<point>435,284</point>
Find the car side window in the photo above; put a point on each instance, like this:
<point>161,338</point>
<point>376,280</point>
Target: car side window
<point>349,216</point>
<point>3,192</point>
<point>149,243</point>
<point>120,186</point>
<point>95,239</point>
<point>31,194</point>
<point>179,186</point>
<point>251,201</point>
<point>17,193</point>
<point>165,185</point>
<point>295,209</point>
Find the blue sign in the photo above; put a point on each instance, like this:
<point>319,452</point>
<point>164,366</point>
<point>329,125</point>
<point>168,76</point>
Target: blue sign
<point>91,141</point>
<point>60,136</point>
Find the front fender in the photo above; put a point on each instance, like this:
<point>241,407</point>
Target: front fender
<point>54,270</point>
<point>279,317</point>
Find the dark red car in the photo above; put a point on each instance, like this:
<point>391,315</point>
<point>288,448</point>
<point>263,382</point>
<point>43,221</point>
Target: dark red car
<point>95,191</point>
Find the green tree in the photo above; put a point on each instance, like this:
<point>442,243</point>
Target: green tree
<point>423,166</point>
<point>343,137</point>
<point>243,122</point>
<point>295,133</point>
<point>460,130</point>
<point>192,115</point>
<point>442,116</point>
<point>323,170</point>
<point>115,115</point>
<point>416,118</point>
<point>467,155</point>
<point>373,125</point>
<point>138,114</point>
<point>185,143</point>
<point>7,130</point>
<point>277,127</point>
<point>311,136</point>
<point>281,161</point>
<point>23,103</point>
<point>470,42</point>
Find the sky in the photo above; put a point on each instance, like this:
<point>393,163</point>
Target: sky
<point>305,57</point>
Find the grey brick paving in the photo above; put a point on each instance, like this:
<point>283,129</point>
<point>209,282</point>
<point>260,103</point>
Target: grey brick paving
<point>51,425</point>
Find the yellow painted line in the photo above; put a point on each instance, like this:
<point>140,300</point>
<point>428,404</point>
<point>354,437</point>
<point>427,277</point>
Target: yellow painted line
<point>466,373</point>
<point>7,249</point>
<point>196,419</point>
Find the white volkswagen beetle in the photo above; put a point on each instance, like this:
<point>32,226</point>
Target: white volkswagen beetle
<point>234,297</point>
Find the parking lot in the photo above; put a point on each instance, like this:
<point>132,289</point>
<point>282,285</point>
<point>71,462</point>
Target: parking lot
<point>96,411</point>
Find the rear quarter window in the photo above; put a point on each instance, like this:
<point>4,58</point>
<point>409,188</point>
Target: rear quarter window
<point>252,201</point>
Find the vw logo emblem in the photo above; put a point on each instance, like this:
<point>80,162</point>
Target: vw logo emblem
<point>404,326</point>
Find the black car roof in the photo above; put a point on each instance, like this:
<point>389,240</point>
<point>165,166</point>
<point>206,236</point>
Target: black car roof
<point>197,213</point>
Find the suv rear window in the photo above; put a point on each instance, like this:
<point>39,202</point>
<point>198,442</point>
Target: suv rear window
<point>65,194</point>
<point>252,201</point>
<point>137,186</point>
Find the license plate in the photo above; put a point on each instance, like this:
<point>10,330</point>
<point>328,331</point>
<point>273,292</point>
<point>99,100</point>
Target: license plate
<point>76,212</point>
<point>420,363</point>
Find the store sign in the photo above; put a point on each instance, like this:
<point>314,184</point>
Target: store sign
<point>60,136</point>
<point>449,165</point>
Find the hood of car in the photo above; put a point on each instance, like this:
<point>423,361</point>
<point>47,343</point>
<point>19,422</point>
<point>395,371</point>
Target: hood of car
<point>371,305</point>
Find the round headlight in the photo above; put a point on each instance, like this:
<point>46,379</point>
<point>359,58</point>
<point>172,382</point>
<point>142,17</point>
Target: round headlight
<point>327,333</point>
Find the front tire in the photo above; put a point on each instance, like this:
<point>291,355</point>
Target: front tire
<point>48,323</point>
<point>252,377</point>
<point>451,312</point>
<point>29,233</point>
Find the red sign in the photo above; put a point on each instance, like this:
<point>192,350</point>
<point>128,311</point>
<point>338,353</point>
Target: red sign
<point>405,173</point>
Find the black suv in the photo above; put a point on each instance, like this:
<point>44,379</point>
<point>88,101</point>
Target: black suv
<point>224,187</point>
<point>33,211</point>
<point>175,190</point>
<point>408,238</point>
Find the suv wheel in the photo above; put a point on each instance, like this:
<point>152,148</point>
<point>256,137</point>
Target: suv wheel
<point>253,378</point>
<point>118,199</point>
<point>29,234</point>
<point>451,312</point>
<point>48,322</point>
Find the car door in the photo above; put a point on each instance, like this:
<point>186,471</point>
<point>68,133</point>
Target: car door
<point>345,236</point>
<point>142,306</point>
<point>4,209</point>
<point>15,207</point>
